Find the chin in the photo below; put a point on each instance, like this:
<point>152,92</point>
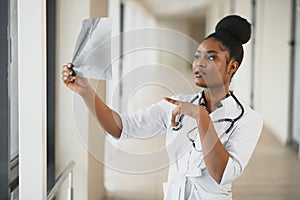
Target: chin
<point>200,83</point>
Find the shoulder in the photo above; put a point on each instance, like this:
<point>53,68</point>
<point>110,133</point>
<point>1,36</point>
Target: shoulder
<point>251,114</point>
<point>251,119</point>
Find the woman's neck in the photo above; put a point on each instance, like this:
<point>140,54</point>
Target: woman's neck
<point>214,95</point>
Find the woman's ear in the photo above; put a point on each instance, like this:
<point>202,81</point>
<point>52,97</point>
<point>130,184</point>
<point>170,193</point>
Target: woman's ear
<point>234,65</point>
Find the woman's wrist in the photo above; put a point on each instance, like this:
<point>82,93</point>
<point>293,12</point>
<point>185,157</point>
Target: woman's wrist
<point>202,105</point>
<point>200,111</point>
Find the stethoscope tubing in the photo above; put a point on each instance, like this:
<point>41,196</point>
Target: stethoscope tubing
<point>181,116</point>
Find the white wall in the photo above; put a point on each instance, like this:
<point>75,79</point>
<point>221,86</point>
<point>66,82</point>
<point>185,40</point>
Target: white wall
<point>32,99</point>
<point>114,13</point>
<point>67,145</point>
<point>216,11</point>
<point>181,41</point>
<point>241,83</point>
<point>77,137</point>
<point>273,60</point>
<point>197,29</point>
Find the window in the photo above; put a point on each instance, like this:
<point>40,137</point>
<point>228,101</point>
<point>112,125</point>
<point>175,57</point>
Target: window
<point>4,128</point>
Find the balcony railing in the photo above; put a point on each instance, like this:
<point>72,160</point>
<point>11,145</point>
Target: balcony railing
<point>67,173</point>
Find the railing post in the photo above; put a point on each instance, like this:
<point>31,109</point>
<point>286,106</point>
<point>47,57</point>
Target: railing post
<point>70,189</point>
<point>12,195</point>
<point>67,173</point>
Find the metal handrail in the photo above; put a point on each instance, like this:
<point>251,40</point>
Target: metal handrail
<point>68,172</point>
<point>14,173</point>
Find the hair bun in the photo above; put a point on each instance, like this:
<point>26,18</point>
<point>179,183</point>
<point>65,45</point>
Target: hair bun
<point>238,27</point>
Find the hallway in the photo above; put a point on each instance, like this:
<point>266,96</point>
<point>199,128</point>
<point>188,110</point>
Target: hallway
<point>272,173</point>
<point>152,51</point>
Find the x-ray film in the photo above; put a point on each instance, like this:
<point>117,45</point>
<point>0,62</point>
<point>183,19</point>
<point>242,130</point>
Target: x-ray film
<point>92,54</point>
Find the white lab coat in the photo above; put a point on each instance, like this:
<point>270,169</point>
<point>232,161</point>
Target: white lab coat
<point>188,177</point>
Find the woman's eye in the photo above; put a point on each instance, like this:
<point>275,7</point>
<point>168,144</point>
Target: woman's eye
<point>197,57</point>
<point>211,57</point>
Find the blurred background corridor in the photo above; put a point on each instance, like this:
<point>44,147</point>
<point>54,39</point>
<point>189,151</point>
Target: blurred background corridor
<point>273,172</point>
<point>50,142</point>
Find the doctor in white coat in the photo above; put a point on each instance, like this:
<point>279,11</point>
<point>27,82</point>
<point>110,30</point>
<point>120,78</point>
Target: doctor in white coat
<point>210,135</point>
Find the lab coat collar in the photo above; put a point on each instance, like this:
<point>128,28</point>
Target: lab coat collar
<point>228,108</point>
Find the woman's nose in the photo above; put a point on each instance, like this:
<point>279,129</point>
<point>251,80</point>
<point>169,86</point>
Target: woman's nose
<point>199,63</point>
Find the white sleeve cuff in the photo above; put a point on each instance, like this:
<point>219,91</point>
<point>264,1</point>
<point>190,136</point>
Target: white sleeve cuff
<point>231,172</point>
<point>124,133</point>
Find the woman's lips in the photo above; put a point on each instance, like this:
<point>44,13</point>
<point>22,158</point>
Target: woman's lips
<point>199,74</point>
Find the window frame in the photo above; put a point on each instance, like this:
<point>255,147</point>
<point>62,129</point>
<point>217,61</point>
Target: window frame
<point>4,104</point>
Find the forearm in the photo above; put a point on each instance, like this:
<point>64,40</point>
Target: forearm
<point>215,154</point>
<point>108,119</point>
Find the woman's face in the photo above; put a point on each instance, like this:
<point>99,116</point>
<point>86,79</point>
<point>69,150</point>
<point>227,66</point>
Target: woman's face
<point>211,66</point>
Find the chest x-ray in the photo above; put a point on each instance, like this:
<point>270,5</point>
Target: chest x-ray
<point>92,54</point>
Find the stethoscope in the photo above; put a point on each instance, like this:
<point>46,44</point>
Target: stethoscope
<point>232,121</point>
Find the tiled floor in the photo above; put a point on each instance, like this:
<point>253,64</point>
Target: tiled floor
<point>273,173</point>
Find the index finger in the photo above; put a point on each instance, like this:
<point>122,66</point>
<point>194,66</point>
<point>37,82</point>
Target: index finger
<point>173,101</point>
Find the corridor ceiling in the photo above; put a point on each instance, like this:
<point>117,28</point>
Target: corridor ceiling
<point>177,8</point>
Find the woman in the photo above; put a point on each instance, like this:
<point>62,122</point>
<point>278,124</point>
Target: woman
<point>211,135</point>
